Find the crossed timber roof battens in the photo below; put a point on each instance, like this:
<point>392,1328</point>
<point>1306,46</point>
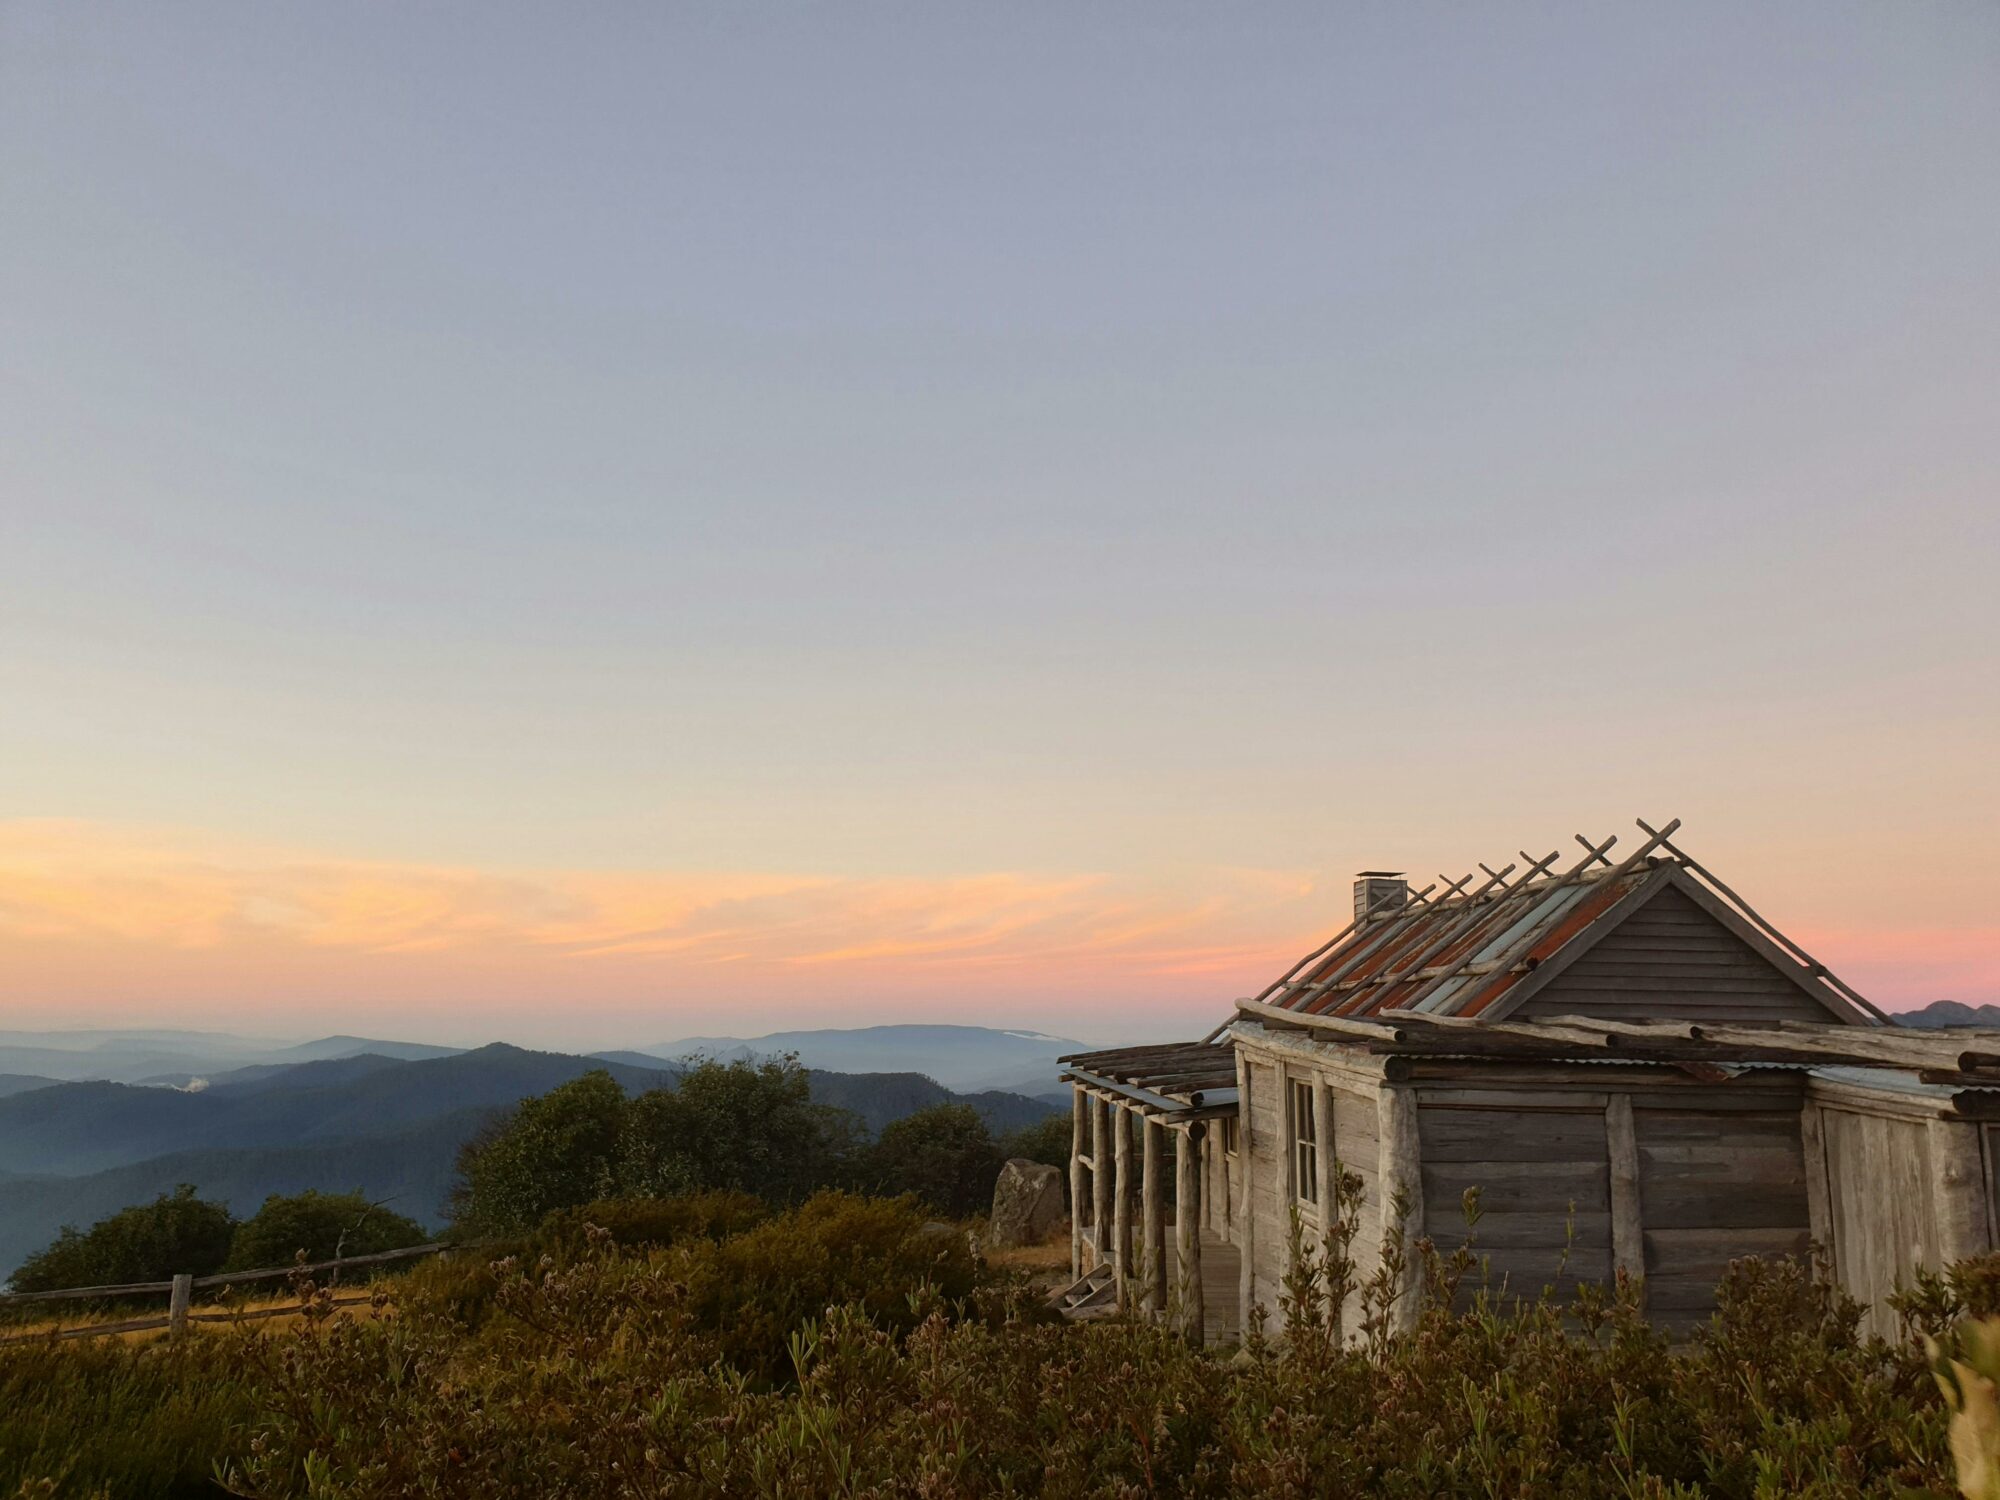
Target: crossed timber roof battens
<point>1560,897</point>
<point>1417,906</point>
<point>1455,928</point>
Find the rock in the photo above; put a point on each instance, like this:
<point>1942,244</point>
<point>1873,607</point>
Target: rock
<point>1027,1204</point>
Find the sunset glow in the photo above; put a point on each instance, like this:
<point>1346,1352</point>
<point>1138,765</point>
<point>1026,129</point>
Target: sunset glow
<point>890,515</point>
<point>136,926</point>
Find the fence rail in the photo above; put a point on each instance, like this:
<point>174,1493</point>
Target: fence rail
<point>202,1283</point>
<point>148,1325</point>
<point>180,1291</point>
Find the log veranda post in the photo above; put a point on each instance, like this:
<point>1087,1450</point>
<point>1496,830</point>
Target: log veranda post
<point>1187,1229</point>
<point>1100,1181</point>
<point>1153,1211</point>
<point>1121,1208</point>
<point>1079,1101</point>
<point>1246,1218</point>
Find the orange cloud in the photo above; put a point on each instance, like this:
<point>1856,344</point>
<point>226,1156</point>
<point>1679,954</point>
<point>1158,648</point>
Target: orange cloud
<point>95,910</point>
<point>102,922</point>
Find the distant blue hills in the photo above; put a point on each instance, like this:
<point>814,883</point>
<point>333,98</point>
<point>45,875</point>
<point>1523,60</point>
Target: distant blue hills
<point>242,1120</point>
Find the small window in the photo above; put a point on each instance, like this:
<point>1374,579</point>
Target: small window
<point>1304,1131</point>
<point>1230,1145</point>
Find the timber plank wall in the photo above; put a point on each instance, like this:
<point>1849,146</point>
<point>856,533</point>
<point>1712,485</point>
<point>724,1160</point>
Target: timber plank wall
<point>1762,1164</point>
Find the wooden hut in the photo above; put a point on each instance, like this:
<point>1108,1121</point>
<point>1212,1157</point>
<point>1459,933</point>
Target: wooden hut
<point>1635,1071</point>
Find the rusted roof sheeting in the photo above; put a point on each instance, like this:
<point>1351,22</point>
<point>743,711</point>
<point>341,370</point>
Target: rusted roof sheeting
<point>1462,955</point>
<point>1431,958</point>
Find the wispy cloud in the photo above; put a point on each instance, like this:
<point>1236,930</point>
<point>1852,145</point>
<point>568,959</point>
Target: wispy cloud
<point>99,915</point>
<point>95,888</point>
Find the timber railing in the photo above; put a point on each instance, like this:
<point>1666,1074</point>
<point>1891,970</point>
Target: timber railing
<point>180,1292</point>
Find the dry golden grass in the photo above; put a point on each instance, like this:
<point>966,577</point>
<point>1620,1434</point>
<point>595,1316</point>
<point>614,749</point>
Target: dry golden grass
<point>1046,1264</point>
<point>97,1317</point>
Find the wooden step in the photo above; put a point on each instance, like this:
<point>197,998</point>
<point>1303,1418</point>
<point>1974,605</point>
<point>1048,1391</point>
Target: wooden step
<point>1090,1295</point>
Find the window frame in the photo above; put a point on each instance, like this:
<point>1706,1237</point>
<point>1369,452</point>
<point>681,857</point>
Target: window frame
<point>1303,1144</point>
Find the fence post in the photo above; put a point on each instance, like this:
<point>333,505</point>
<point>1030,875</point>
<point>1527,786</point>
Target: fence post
<point>177,1305</point>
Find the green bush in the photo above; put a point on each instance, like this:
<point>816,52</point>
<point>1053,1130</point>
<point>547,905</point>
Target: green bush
<point>650,1223</point>
<point>324,1226</point>
<point>177,1233</point>
<point>753,1291</point>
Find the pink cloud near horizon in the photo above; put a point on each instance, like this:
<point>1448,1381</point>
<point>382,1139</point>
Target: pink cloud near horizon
<point>102,924</point>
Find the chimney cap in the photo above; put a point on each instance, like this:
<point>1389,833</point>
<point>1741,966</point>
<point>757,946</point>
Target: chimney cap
<point>1379,874</point>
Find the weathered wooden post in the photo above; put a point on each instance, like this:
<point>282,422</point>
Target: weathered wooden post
<point>1154,1212</point>
<point>1076,1142</point>
<point>1958,1190</point>
<point>1400,1173</point>
<point>1246,1218</point>
<point>1187,1229</point>
<point>1100,1181</point>
<point>1628,1223</point>
<point>177,1305</point>
<point>1121,1207</point>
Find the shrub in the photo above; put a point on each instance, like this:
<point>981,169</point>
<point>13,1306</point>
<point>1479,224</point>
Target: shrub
<point>322,1226</point>
<point>650,1223</point>
<point>848,1347</point>
<point>176,1233</point>
<point>754,1290</point>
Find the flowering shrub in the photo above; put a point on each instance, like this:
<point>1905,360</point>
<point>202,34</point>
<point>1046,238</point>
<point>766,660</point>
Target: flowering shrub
<point>850,1348</point>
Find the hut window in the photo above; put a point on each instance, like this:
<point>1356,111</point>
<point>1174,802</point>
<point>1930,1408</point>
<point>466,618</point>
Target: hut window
<point>1230,1146</point>
<point>1305,1142</point>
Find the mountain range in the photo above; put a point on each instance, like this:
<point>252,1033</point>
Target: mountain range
<point>242,1120</point>
<point>959,1057</point>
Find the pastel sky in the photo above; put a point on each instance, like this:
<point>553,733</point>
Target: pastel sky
<point>592,525</point>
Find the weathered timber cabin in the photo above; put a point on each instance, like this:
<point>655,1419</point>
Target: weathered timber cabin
<point>1636,1071</point>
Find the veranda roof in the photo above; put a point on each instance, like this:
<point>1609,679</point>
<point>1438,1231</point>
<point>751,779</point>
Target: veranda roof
<point>1171,1078</point>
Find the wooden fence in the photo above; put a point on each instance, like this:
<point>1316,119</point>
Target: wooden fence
<point>180,1292</point>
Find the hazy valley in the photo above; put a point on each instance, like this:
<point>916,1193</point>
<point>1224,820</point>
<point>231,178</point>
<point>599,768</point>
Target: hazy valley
<point>93,1121</point>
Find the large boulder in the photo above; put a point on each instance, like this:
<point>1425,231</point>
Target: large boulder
<point>1027,1204</point>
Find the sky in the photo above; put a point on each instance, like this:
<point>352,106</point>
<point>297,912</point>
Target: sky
<point>586,526</point>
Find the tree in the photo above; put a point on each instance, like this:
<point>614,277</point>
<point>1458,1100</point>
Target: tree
<point>177,1233</point>
<point>324,1226</point>
<point>1044,1141</point>
<point>554,1151</point>
<point>944,1154</point>
<point>738,1126</point>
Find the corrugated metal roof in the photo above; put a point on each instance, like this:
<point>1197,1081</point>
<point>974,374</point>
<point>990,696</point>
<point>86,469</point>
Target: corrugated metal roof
<point>1462,953</point>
